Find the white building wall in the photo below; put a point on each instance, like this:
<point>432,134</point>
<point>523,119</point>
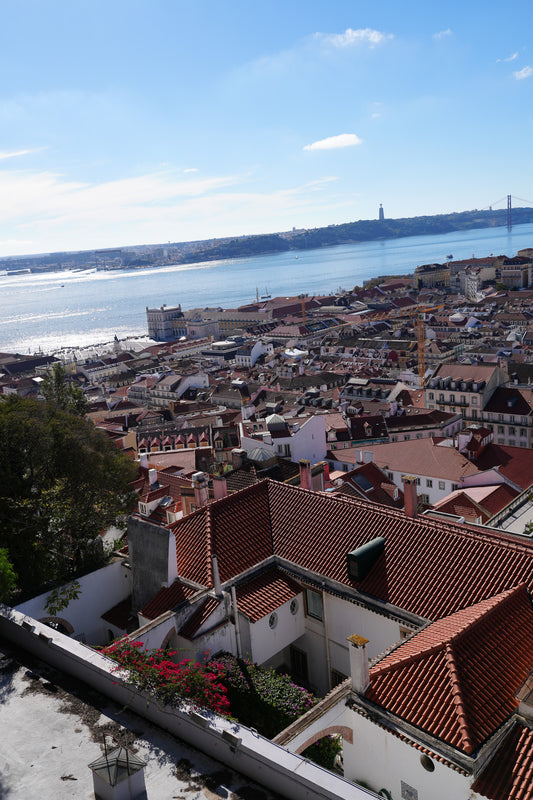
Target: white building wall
<point>100,591</point>
<point>384,761</point>
<point>267,641</point>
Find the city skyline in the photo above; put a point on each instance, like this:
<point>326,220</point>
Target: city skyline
<point>127,124</point>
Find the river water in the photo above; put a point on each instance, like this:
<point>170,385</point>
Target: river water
<point>76,309</point>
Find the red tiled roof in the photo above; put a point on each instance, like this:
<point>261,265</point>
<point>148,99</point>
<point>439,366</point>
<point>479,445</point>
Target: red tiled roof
<point>429,568</point>
<point>457,678</point>
<point>120,615</point>
<point>166,598</point>
<point>515,463</point>
<point>508,775</point>
<point>202,613</point>
<point>236,529</point>
<point>266,592</point>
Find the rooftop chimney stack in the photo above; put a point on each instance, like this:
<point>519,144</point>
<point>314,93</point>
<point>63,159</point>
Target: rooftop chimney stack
<point>237,457</point>
<point>201,489</point>
<point>305,474</point>
<point>220,487</point>
<point>409,495</point>
<point>359,663</point>
<point>152,476</point>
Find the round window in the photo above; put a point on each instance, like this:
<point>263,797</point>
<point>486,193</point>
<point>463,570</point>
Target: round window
<point>427,763</point>
<point>273,620</point>
<point>294,606</point>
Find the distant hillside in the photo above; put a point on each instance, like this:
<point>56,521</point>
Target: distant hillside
<point>243,246</point>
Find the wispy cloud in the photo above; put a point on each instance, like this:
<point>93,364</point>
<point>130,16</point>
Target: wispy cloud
<point>191,169</point>
<point>512,57</point>
<point>351,37</point>
<point>15,153</point>
<point>45,211</point>
<point>525,72</point>
<point>334,142</point>
<point>442,34</point>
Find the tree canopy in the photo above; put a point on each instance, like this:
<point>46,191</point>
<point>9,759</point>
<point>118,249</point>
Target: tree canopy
<point>61,482</point>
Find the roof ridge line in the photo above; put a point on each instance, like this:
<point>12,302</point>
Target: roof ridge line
<point>210,551</point>
<point>457,698</point>
<point>492,603</point>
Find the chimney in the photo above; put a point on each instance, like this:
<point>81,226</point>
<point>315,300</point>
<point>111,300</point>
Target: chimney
<point>201,489</point>
<point>359,663</point>
<point>305,474</point>
<point>409,495</point>
<point>220,488</point>
<point>237,457</point>
<point>152,476</point>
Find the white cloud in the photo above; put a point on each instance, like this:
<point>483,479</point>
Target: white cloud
<point>442,34</point>
<point>191,169</point>
<point>525,72</point>
<point>45,212</point>
<point>352,37</point>
<point>334,142</point>
<point>15,153</point>
<point>512,57</point>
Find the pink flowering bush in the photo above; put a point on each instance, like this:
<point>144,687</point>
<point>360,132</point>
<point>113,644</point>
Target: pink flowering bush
<point>172,683</point>
<point>261,697</point>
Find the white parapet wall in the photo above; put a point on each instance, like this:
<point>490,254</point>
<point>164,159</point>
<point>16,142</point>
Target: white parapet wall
<point>242,749</point>
<point>99,592</point>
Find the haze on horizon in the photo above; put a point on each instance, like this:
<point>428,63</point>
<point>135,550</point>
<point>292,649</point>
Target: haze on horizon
<point>126,123</point>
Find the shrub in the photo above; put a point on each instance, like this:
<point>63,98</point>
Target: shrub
<point>323,751</point>
<point>172,683</point>
<point>261,698</point>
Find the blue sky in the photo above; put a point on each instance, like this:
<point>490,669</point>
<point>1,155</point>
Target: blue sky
<point>163,120</point>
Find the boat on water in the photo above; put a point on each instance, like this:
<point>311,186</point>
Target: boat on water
<point>449,257</point>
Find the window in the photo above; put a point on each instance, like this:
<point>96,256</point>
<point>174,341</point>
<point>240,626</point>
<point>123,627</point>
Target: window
<point>314,604</point>
<point>511,418</point>
<point>501,429</point>
<point>424,498</point>
<point>441,396</point>
<point>474,414</point>
<point>390,475</point>
<point>298,665</point>
<point>404,632</point>
<point>429,483</point>
<point>417,481</point>
<point>431,395</point>
<point>523,432</point>
<point>512,431</point>
<point>474,400</point>
<point>455,486</point>
<point>406,437</point>
<point>273,620</point>
<point>418,435</point>
<point>442,485</point>
<point>463,399</point>
<point>452,398</point>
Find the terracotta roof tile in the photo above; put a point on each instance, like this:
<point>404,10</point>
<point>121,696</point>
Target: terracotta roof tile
<point>265,593</point>
<point>429,568</point>
<point>197,619</point>
<point>509,774</point>
<point>166,598</point>
<point>453,679</point>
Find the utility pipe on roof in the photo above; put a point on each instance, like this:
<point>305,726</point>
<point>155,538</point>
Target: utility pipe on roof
<point>325,618</point>
<point>237,623</point>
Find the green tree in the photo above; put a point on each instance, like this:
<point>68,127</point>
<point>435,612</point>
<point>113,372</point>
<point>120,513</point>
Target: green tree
<point>57,390</point>
<point>62,482</point>
<point>8,576</point>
